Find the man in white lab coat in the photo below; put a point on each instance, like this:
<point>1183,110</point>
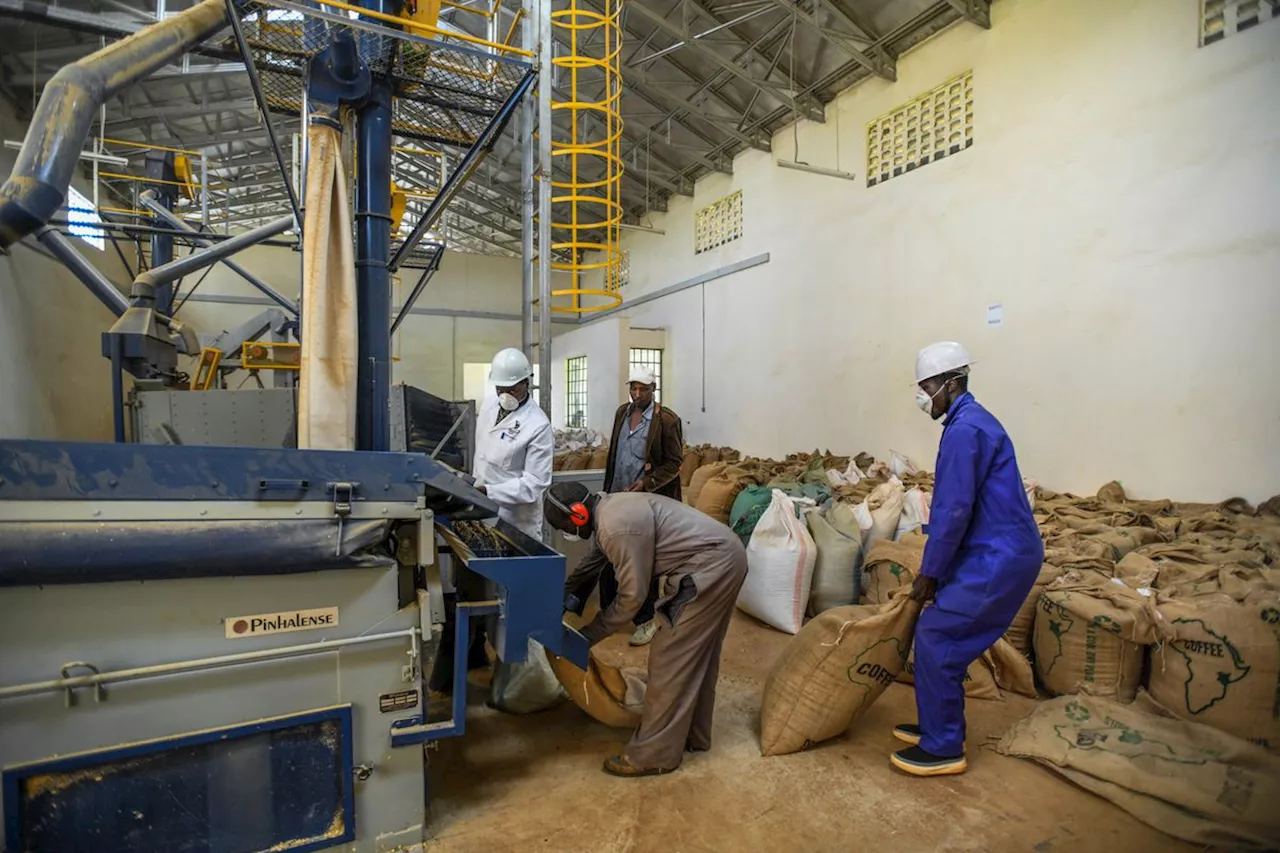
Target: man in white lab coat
<point>514,450</point>
<point>514,445</point>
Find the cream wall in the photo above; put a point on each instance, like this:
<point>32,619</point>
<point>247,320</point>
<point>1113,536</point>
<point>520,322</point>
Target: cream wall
<point>1121,200</point>
<point>54,382</point>
<point>432,349</point>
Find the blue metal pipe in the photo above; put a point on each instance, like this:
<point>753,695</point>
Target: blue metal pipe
<point>373,278</point>
<point>160,167</point>
<point>373,251</point>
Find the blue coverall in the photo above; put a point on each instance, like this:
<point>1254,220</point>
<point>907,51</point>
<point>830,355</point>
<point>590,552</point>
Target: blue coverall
<point>984,551</point>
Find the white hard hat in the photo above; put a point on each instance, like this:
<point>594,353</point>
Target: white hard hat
<point>643,375</point>
<point>939,358</point>
<point>509,367</point>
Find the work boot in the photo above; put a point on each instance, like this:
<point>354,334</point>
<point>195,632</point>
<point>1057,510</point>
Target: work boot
<point>618,765</point>
<point>908,733</point>
<point>917,762</point>
<point>644,634</point>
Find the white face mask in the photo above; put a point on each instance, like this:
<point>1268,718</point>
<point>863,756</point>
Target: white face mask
<point>925,402</point>
<point>508,402</point>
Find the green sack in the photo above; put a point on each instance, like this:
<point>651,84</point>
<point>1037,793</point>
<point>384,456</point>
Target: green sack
<point>747,508</point>
<point>752,501</point>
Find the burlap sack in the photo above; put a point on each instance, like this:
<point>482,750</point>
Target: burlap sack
<point>1011,669</point>
<point>716,496</point>
<point>692,462</point>
<point>700,479</point>
<point>1090,633</point>
<point>1223,667</point>
<point>599,458</point>
<point>557,461</point>
<point>1191,781</point>
<point>890,566</point>
<point>1019,633</point>
<point>835,573</point>
<point>578,460</point>
<point>605,692</point>
<point>728,454</point>
<point>1112,492</point>
<point>831,672</point>
<point>1121,540</point>
<point>710,455</point>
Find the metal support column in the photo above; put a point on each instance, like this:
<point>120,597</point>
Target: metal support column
<point>117,387</point>
<point>160,168</point>
<point>528,115</point>
<point>544,203</point>
<point>373,252</point>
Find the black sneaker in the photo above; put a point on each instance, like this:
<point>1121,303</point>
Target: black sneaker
<point>908,733</point>
<point>917,762</point>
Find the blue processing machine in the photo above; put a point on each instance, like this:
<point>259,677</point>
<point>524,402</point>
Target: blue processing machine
<point>225,649</point>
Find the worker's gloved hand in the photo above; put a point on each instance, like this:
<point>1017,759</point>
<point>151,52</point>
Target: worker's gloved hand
<point>573,604</point>
<point>923,589</point>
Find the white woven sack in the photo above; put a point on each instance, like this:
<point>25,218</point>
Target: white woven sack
<point>915,512</point>
<point>780,559</point>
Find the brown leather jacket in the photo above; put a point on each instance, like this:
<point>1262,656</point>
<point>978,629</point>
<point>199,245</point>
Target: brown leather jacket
<point>664,451</point>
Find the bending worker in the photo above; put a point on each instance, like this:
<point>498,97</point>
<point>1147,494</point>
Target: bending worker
<point>514,450</point>
<point>700,565</point>
<point>980,562</point>
<point>646,448</point>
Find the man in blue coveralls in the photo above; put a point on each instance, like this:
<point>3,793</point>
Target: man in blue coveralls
<point>981,560</point>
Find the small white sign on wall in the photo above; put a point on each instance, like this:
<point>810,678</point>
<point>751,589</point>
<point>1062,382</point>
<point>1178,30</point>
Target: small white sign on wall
<point>995,315</point>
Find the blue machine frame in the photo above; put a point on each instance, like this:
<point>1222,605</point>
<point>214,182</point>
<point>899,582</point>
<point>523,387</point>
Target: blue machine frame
<point>12,778</point>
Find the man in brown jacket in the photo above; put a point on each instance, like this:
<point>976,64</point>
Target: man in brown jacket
<point>700,565</point>
<point>646,448</point>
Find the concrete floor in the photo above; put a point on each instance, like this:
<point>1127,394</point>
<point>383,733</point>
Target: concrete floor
<point>534,784</point>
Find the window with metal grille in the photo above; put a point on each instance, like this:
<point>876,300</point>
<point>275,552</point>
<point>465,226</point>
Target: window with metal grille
<point>576,391</point>
<point>652,359</point>
<point>1221,18</point>
<point>927,128</point>
<point>83,220</point>
<point>718,223</point>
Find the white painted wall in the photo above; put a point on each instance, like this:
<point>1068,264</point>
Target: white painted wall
<point>432,349</point>
<point>1121,200</point>
<point>54,382</point>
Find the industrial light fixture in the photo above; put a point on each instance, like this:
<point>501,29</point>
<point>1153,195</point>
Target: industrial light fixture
<point>84,155</point>
<point>817,170</point>
<point>644,228</point>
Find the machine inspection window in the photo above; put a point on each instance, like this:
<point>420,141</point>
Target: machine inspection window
<point>652,359</point>
<point>283,783</point>
<point>576,392</point>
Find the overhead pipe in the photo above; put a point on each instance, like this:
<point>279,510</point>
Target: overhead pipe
<point>99,285</point>
<point>157,276</point>
<point>164,214</point>
<point>37,186</point>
